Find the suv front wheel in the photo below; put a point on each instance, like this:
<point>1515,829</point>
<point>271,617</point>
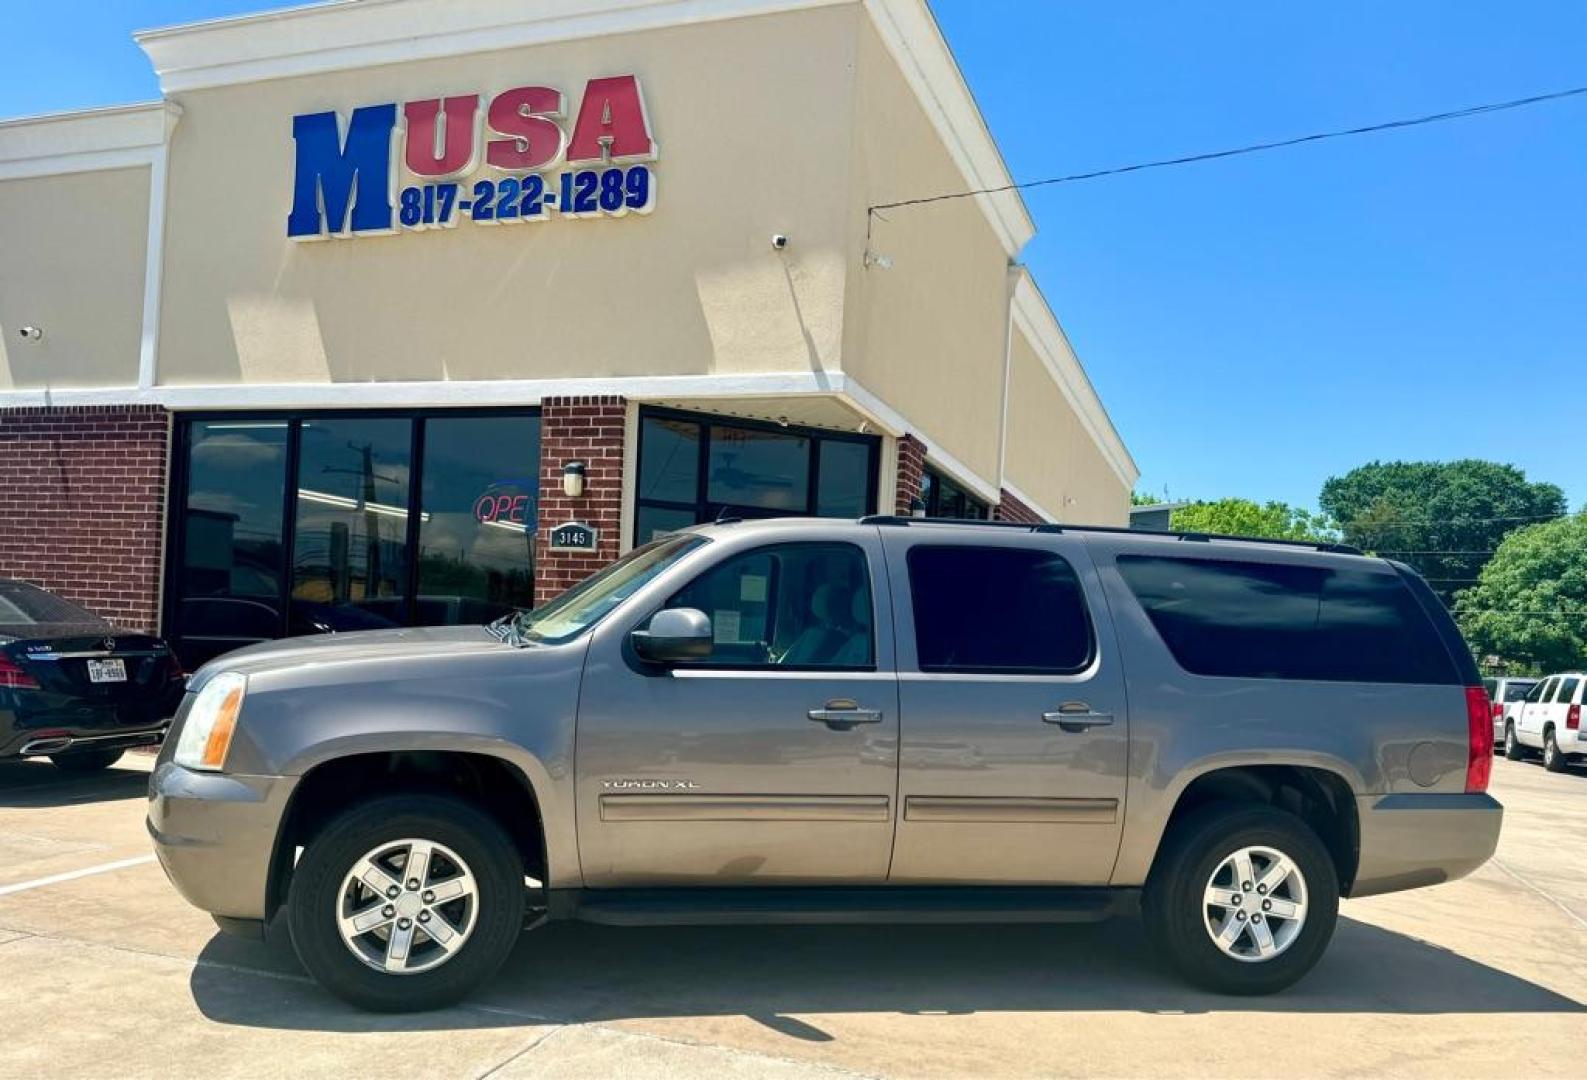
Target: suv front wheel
<point>1244,898</point>
<point>406,903</point>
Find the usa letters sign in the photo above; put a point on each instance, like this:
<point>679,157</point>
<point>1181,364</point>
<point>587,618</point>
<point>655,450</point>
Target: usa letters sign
<point>532,165</point>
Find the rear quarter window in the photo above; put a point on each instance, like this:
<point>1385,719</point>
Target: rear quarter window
<point>1288,621</point>
<point>1516,690</point>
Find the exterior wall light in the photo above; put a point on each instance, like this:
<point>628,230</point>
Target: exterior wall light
<point>31,333</point>
<point>573,479</point>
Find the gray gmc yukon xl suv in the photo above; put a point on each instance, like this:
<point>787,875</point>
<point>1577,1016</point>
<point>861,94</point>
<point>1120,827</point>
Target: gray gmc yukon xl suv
<point>802,721</point>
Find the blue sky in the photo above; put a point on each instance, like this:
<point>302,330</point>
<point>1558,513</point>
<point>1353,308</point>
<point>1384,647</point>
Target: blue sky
<point>1255,325</point>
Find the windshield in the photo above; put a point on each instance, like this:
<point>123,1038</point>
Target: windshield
<point>588,602</point>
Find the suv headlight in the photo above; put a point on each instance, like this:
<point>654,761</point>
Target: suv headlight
<point>211,722</point>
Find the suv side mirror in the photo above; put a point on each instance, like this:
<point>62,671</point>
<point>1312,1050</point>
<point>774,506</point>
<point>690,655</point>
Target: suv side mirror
<point>674,635</point>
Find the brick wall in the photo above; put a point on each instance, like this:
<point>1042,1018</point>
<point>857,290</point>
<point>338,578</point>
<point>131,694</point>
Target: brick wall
<point>587,429</point>
<point>81,495</point>
<point>1009,508</point>
<point>911,472</point>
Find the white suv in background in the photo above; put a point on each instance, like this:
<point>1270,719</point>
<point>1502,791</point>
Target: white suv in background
<point>1549,719</point>
<point>1506,695</point>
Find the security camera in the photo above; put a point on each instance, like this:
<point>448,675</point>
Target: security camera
<point>779,242</point>
<point>31,333</point>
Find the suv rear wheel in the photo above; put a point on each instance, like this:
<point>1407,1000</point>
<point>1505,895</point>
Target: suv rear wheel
<point>1553,760</point>
<point>1513,750</point>
<point>406,903</point>
<point>1243,899</point>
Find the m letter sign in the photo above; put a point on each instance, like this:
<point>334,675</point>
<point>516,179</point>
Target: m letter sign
<point>402,168</point>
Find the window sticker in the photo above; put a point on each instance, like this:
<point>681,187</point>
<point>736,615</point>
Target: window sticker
<point>752,589</point>
<point>726,625</point>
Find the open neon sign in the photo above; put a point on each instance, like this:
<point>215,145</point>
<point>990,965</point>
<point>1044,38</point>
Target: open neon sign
<point>504,504</point>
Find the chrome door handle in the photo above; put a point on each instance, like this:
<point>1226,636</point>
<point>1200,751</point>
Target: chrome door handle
<point>843,715</point>
<point>1076,717</point>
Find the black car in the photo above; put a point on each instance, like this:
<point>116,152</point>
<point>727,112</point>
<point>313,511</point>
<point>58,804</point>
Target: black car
<point>74,688</point>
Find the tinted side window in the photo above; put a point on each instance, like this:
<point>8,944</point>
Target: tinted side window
<point>1567,691</point>
<point>1517,691</point>
<point>1286,621</point>
<point>989,609</point>
<point>788,605</point>
<point>1536,693</point>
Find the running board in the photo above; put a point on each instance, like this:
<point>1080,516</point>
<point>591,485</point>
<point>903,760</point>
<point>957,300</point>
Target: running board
<point>838,905</point>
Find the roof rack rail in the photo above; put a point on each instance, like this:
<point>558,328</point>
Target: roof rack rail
<point>898,519</point>
<point>1325,546</point>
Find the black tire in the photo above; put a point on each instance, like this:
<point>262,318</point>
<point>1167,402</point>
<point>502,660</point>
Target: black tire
<point>1173,903</point>
<point>1553,760</point>
<point>1513,750</point>
<point>315,895</point>
<point>86,761</point>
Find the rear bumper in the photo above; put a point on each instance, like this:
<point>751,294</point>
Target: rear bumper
<point>56,741</point>
<point>1412,840</point>
<point>215,836</point>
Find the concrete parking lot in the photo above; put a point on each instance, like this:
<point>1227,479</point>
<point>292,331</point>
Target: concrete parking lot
<point>105,971</point>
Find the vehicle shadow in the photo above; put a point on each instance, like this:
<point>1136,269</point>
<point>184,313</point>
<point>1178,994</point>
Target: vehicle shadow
<point>572,972</point>
<point>36,784</point>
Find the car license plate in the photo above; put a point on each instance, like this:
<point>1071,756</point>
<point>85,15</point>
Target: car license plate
<point>101,671</point>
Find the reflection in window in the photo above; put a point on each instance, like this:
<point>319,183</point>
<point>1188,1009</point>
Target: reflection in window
<point>694,469</point>
<point>229,583</point>
<point>352,515</point>
<point>480,502</point>
<point>762,469</point>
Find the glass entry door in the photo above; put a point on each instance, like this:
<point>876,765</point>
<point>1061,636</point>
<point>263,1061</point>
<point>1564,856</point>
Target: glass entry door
<point>320,523</point>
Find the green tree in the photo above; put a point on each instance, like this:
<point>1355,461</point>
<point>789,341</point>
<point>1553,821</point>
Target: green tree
<point>1242,517</point>
<point>1445,518</point>
<point>1530,603</point>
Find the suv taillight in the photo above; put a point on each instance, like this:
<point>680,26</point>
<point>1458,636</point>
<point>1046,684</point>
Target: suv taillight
<point>13,677</point>
<point>1498,709</point>
<point>1573,718</point>
<point>1479,740</point>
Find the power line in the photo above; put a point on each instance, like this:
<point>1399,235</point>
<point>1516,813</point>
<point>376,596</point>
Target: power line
<point>1369,523</point>
<point>1253,148</point>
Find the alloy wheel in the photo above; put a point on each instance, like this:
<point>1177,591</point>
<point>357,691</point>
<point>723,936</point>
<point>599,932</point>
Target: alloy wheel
<point>1255,904</point>
<point>407,906</point>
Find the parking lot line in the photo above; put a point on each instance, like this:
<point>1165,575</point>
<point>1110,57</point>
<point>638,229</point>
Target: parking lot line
<point>73,875</point>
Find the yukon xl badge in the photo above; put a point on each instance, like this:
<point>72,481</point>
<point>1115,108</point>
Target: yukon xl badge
<point>650,785</point>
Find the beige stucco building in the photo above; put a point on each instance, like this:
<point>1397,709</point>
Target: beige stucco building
<point>558,243</point>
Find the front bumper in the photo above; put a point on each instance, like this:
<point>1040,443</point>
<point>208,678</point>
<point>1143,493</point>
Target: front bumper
<point>1412,840</point>
<point>215,835</point>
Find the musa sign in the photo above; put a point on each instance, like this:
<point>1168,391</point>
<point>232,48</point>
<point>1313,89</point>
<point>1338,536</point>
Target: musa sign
<point>345,183</point>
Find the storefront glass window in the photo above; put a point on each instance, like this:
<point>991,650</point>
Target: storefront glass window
<point>350,544</point>
<point>231,579</point>
<point>479,506</point>
<point>658,521</point>
<point>670,468</point>
<point>845,479</point>
<point>750,469</point>
<point>946,499</point>
<point>254,557</point>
